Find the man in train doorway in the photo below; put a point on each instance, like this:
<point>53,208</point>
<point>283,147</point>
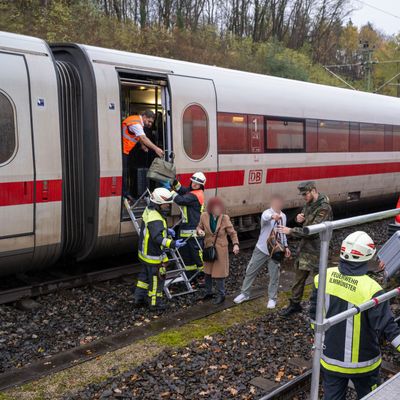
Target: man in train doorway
<point>191,200</point>
<point>132,134</point>
<point>316,210</point>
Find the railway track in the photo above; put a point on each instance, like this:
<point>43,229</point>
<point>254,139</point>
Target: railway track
<point>69,282</point>
<point>80,354</point>
<point>76,280</point>
<point>302,383</point>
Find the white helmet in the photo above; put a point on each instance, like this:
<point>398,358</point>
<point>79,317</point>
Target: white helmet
<point>357,247</point>
<point>161,196</point>
<point>199,177</point>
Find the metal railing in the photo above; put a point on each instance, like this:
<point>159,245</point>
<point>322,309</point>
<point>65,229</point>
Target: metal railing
<point>321,323</point>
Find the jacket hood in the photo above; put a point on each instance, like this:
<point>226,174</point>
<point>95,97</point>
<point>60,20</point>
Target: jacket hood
<point>353,268</point>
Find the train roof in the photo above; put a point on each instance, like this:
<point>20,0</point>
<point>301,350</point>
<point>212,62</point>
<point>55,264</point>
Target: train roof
<point>243,92</point>
<point>246,92</point>
<point>24,44</point>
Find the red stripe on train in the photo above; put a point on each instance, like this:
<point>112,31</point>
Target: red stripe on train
<point>277,175</point>
<point>15,193</point>
<point>110,186</point>
<point>218,179</point>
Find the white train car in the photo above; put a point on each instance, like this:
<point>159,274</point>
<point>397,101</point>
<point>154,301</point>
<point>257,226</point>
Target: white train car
<point>30,155</point>
<point>251,134</point>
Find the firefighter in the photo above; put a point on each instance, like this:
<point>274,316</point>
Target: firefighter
<point>132,134</point>
<point>191,200</point>
<point>351,348</point>
<point>316,210</point>
<point>153,240</point>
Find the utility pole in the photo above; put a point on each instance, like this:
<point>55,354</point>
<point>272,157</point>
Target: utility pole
<point>367,62</point>
<point>398,79</point>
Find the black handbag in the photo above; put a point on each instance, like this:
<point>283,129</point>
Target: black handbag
<point>210,252</point>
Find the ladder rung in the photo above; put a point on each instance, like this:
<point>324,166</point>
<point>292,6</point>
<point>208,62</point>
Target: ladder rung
<point>168,282</point>
<point>182,293</point>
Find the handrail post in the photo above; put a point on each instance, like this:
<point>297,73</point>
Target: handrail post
<point>325,237</point>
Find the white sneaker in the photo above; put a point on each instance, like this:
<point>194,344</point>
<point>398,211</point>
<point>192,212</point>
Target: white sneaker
<point>241,298</point>
<point>271,303</point>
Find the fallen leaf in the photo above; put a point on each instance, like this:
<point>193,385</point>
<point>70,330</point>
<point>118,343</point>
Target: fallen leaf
<point>279,376</point>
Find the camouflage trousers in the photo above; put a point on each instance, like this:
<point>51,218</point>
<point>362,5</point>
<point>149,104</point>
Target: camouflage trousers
<point>305,265</point>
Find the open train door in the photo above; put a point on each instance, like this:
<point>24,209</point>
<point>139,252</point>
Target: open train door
<point>194,128</point>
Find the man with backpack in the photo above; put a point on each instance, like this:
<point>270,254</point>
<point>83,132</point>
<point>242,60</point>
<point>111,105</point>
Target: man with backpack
<point>270,249</point>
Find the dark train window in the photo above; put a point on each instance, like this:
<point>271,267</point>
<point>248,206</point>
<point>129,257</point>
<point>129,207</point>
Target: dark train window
<point>372,137</point>
<point>232,133</point>
<point>333,136</point>
<point>354,142</point>
<point>312,135</point>
<point>388,137</point>
<point>285,135</point>
<point>7,129</point>
<point>195,132</point>
<point>396,138</point>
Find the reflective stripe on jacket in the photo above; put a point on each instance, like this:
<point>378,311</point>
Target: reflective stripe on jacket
<point>192,204</point>
<point>153,237</point>
<point>130,140</point>
<point>352,346</point>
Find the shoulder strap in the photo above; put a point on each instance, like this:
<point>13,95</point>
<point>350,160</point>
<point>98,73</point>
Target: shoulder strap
<point>217,231</point>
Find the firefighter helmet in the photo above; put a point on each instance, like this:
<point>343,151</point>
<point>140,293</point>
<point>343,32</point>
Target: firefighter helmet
<point>199,177</point>
<point>161,196</point>
<point>357,247</point>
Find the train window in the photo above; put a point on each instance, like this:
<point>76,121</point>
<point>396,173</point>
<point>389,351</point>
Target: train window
<point>354,142</point>
<point>312,135</point>
<point>8,141</point>
<point>285,135</point>
<point>372,137</point>
<point>333,136</point>
<point>256,132</point>
<point>232,133</point>
<point>396,138</point>
<point>388,137</point>
<point>195,132</point>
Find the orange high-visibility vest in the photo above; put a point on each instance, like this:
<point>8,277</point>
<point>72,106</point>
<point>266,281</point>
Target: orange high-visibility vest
<point>200,196</point>
<point>129,139</point>
<point>397,219</point>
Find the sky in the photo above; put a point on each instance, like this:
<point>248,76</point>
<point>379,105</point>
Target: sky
<point>364,12</point>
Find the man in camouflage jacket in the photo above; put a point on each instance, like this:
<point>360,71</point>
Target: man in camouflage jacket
<point>316,210</point>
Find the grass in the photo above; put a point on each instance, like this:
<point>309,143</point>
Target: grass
<point>121,360</point>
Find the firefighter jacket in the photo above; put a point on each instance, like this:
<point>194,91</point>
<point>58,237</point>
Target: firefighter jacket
<point>192,204</point>
<point>153,237</point>
<point>314,213</point>
<point>352,346</point>
<point>129,139</point>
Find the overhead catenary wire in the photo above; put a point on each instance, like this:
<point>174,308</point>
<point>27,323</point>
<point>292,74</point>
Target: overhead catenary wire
<point>379,9</point>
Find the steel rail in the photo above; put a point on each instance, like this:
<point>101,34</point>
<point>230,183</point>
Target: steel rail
<point>69,282</point>
<point>73,281</point>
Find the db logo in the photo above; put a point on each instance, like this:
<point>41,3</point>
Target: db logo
<point>255,176</point>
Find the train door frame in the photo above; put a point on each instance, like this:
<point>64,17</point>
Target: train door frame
<point>147,80</point>
<point>202,93</point>
<point>18,231</point>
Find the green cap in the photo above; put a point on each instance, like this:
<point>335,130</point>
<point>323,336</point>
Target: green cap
<point>306,186</point>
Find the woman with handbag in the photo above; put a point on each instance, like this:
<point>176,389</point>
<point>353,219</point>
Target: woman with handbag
<point>215,227</point>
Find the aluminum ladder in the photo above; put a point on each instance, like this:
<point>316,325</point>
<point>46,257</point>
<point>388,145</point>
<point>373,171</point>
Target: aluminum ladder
<point>172,276</point>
